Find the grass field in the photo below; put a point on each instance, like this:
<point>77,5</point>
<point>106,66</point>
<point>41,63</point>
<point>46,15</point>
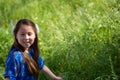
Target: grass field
<point>78,39</point>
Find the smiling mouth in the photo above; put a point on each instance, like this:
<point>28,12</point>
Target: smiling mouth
<point>27,43</point>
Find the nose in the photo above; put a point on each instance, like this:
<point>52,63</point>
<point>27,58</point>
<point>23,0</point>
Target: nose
<point>26,36</point>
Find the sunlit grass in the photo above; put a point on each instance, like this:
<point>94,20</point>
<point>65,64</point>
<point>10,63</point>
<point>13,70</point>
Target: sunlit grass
<point>76,37</point>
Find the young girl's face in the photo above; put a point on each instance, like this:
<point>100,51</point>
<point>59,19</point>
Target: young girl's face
<point>25,36</point>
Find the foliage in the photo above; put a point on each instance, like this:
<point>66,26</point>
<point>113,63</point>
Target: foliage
<point>79,39</point>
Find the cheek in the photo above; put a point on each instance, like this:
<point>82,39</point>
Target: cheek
<point>18,38</point>
<point>33,37</point>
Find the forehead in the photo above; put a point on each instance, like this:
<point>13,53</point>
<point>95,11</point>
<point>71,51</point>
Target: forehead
<point>26,28</point>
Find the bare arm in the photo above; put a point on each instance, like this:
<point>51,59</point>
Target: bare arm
<point>50,74</point>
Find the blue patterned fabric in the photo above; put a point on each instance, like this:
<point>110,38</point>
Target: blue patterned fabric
<point>16,67</point>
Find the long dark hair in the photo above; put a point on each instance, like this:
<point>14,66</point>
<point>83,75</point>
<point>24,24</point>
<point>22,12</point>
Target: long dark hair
<point>32,63</point>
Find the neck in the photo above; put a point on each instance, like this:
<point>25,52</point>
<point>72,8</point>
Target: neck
<point>26,50</point>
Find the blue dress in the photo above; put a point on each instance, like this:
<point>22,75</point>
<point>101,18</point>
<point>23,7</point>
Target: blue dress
<point>16,68</point>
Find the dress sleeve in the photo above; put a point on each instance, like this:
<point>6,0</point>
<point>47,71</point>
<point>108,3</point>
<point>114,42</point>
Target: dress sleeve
<point>11,68</point>
<point>41,63</point>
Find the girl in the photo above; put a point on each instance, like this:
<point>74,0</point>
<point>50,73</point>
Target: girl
<point>23,61</point>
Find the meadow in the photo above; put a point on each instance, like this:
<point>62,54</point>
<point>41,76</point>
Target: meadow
<point>78,39</point>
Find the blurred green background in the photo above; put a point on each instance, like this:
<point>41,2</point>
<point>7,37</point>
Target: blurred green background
<point>78,39</point>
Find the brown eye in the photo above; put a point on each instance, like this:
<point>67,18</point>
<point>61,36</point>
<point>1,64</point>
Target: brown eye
<point>29,34</point>
<point>22,34</point>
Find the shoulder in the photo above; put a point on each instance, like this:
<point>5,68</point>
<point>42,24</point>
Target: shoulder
<point>15,54</point>
<point>14,51</point>
<point>41,63</point>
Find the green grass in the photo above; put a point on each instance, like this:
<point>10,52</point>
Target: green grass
<point>79,39</point>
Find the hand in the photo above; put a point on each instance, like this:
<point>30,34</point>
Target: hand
<point>57,78</point>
